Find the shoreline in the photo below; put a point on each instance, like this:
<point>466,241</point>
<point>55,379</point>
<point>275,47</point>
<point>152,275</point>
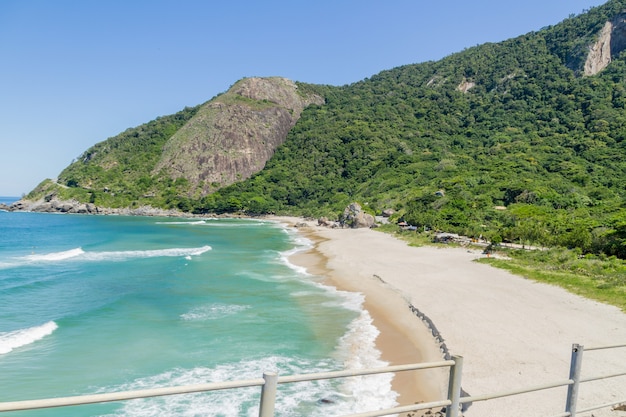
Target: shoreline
<point>512,332</point>
<point>403,338</point>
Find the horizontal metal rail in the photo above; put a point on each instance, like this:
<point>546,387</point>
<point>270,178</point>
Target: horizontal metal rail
<point>360,372</point>
<point>270,380</point>
<point>126,395</point>
<point>477,398</point>
<point>580,348</point>
<point>595,407</point>
<point>189,389</point>
<point>587,349</point>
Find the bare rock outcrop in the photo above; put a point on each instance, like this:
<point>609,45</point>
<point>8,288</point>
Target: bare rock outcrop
<point>233,136</point>
<point>52,204</point>
<point>611,41</point>
<point>353,216</point>
<point>465,86</point>
<point>388,212</point>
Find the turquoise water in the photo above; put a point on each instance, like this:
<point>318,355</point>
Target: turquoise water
<point>93,304</point>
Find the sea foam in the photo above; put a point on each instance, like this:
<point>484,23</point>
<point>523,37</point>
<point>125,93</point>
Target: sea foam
<point>55,256</point>
<point>213,312</point>
<point>80,254</point>
<point>22,337</point>
<point>359,351</point>
<point>301,244</point>
<point>187,223</point>
<point>356,348</point>
<point>313,398</point>
<point>216,223</point>
<point>135,254</point>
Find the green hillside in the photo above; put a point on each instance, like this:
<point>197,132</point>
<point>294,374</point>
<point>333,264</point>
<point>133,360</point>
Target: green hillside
<point>118,171</point>
<point>507,140</point>
<point>532,135</point>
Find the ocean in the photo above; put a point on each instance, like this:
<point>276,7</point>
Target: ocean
<point>94,304</point>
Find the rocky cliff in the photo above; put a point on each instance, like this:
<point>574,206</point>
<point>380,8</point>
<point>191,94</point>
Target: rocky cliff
<point>233,136</point>
<point>611,41</point>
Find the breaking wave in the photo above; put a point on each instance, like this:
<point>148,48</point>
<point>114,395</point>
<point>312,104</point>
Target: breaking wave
<point>313,398</point>
<point>55,256</point>
<point>22,337</point>
<point>81,255</point>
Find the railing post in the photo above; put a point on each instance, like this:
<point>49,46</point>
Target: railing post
<point>574,375</point>
<point>454,386</point>
<point>268,394</point>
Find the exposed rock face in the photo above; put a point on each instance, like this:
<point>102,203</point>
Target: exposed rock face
<point>600,52</point>
<point>353,216</point>
<point>233,136</point>
<point>611,41</point>
<point>50,204</point>
<point>388,212</point>
<point>465,86</point>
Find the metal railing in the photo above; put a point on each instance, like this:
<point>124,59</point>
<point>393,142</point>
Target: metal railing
<point>270,381</point>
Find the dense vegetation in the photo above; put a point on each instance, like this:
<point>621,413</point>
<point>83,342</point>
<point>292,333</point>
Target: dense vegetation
<point>118,171</point>
<point>531,135</point>
<point>527,150</point>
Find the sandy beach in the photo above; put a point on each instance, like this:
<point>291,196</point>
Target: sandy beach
<point>511,332</point>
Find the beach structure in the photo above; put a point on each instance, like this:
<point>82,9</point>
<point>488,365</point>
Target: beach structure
<point>452,406</point>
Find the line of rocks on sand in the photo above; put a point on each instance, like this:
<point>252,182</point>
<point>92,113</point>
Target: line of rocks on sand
<point>442,348</point>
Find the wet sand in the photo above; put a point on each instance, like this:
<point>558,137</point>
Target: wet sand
<point>512,332</point>
<point>403,337</point>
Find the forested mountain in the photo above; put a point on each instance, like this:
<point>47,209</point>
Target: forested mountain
<point>184,156</point>
<point>519,140</point>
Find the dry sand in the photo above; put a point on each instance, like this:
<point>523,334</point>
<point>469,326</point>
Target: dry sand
<point>510,331</point>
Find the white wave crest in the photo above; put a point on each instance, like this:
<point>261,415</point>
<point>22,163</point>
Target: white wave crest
<point>80,254</point>
<point>233,224</point>
<point>213,312</point>
<point>313,398</point>
<point>134,254</point>
<point>301,244</point>
<point>18,338</point>
<point>7,265</point>
<point>349,300</point>
<point>189,223</point>
<point>55,256</point>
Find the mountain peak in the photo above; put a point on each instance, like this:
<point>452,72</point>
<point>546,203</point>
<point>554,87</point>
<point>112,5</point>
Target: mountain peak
<point>234,135</point>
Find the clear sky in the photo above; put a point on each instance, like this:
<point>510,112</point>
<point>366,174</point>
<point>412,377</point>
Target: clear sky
<point>73,73</point>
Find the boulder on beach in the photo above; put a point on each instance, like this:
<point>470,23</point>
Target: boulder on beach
<point>354,217</point>
<point>388,212</point>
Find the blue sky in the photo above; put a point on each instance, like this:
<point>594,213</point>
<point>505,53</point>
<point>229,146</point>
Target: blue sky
<point>74,73</point>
